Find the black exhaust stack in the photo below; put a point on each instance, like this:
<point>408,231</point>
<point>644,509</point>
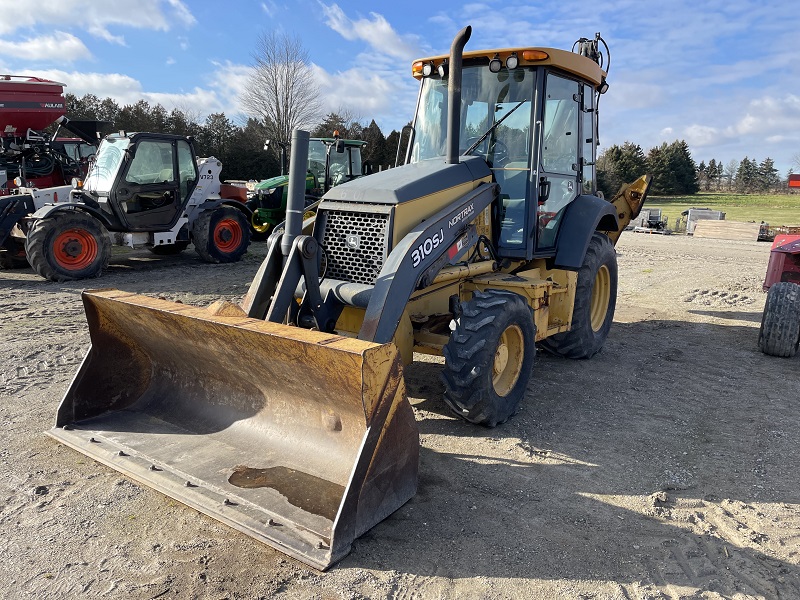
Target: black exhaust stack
<point>296,199</point>
<point>454,94</point>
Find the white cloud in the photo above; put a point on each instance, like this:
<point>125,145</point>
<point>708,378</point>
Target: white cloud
<point>60,45</point>
<point>769,115</point>
<point>363,92</point>
<point>377,32</point>
<point>700,136</point>
<point>269,7</point>
<point>96,16</point>
<point>124,89</point>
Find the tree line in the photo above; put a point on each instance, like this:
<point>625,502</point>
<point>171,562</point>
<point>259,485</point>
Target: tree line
<point>675,173</point>
<point>240,148</point>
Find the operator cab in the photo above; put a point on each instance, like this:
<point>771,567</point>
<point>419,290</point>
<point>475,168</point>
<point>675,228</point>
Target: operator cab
<point>533,121</point>
<point>143,182</point>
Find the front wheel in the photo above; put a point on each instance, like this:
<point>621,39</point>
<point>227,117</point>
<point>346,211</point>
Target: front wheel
<point>259,227</point>
<point>221,235</point>
<point>68,245</point>
<point>489,357</point>
<point>780,324</point>
<point>595,301</point>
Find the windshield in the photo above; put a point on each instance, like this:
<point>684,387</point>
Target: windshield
<point>486,99</point>
<point>103,170</point>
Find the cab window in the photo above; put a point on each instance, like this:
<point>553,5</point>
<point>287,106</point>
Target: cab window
<point>559,156</point>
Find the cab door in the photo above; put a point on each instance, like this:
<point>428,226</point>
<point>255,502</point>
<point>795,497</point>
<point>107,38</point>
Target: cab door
<point>149,192</point>
<point>559,165</point>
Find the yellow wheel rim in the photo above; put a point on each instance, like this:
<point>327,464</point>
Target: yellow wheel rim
<point>258,226</point>
<point>508,359</point>
<point>308,214</point>
<point>601,297</point>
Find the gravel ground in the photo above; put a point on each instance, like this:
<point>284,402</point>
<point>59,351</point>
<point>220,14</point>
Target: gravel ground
<point>664,467</point>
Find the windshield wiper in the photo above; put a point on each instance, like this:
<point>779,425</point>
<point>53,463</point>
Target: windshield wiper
<point>492,128</point>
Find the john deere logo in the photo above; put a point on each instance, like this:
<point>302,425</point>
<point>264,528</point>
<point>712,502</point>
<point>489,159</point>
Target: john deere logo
<point>353,241</point>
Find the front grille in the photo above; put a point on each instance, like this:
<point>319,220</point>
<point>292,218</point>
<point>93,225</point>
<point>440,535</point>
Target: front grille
<point>367,231</point>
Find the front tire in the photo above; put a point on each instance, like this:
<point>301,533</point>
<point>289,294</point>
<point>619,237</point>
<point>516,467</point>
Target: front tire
<point>780,325</point>
<point>68,245</point>
<point>221,235</point>
<point>489,358</point>
<point>595,301</point>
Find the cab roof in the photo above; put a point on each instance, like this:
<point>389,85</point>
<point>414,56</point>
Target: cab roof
<point>584,68</point>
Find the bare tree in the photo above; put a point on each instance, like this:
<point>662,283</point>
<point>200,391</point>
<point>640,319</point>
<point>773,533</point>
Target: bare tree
<point>796,160</point>
<point>729,172</point>
<point>281,91</point>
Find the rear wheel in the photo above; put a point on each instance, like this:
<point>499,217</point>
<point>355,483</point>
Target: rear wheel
<point>489,357</point>
<point>221,235</point>
<point>780,325</point>
<point>68,245</point>
<point>169,249</point>
<point>595,301</point>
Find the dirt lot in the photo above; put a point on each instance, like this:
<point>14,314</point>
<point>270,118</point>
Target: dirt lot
<point>665,467</point>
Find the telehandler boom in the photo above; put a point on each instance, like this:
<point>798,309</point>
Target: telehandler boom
<point>489,240</point>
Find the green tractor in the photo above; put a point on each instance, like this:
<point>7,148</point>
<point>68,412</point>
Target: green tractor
<point>331,161</point>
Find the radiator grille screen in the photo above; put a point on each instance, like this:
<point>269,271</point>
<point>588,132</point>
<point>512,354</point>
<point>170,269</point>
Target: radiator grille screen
<point>355,245</point>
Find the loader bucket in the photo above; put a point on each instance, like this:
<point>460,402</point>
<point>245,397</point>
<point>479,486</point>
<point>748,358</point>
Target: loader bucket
<point>301,439</point>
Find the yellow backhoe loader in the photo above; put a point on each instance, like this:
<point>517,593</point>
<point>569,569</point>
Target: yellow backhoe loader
<point>489,240</point>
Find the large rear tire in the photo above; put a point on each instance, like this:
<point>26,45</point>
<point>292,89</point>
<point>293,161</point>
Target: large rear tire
<point>595,301</point>
<point>221,235</point>
<point>780,325</point>
<point>68,245</point>
<point>489,357</point>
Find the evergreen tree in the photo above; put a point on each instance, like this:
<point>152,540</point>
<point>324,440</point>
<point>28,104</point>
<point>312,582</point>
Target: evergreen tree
<point>618,165</point>
<point>768,175</point>
<point>375,150</point>
<point>747,175</point>
<point>390,148</point>
<point>673,169</point>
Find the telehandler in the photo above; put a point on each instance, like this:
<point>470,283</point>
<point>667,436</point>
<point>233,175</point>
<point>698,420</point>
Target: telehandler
<point>489,240</point>
<point>142,190</point>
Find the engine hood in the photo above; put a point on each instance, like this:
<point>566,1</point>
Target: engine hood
<point>409,182</point>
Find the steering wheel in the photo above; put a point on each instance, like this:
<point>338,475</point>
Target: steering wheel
<point>497,149</point>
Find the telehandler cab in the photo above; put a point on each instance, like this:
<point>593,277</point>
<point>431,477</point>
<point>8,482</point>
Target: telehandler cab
<point>490,239</point>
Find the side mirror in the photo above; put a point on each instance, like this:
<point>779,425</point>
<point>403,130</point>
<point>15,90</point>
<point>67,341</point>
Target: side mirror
<point>339,147</point>
<point>266,145</point>
<point>366,168</point>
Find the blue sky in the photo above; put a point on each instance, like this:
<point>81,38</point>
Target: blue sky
<point>724,75</point>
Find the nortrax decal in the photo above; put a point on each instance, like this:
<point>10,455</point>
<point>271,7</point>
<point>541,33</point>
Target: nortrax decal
<point>461,216</point>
